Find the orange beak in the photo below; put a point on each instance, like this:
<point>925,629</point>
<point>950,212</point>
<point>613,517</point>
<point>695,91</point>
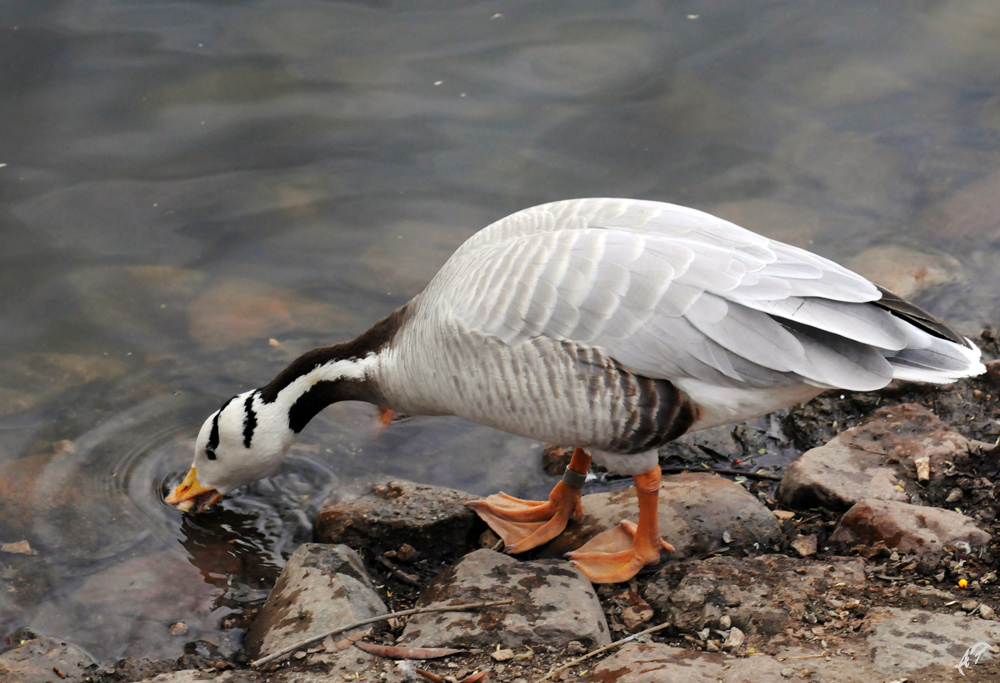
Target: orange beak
<point>190,494</point>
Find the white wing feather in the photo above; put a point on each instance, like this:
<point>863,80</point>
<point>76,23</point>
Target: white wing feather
<point>674,293</point>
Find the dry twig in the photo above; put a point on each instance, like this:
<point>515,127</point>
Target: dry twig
<point>405,613</point>
<point>593,653</point>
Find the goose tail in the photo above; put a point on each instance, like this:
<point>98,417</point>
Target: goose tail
<point>934,352</point>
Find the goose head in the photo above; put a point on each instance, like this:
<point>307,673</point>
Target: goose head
<point>249,436</point>
<point>245,440</point>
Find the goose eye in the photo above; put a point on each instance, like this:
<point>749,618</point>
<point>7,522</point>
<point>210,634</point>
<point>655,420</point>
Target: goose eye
<point>210,453</point>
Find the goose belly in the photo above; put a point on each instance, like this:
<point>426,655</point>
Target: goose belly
<point>557,392</point>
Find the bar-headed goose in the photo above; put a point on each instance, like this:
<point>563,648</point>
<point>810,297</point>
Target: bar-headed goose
<point>612,325</point>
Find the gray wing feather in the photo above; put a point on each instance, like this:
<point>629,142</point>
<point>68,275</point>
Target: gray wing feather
<point>672,292</point>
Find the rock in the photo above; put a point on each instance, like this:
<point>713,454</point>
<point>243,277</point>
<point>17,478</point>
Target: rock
<point>241,311</point>
<point>972,211</point>
<point>554,604</point>
<point>734,640</point>
<point>138,599</point>
<point>431,519</point>
<point>906,272</point>
<point>193,676</point>
<point>320,588</point>
<point>873,460</point>
<point>927,596</point>
<point>760,595</point>
<point>852,168</point>
<point>405,260</point>
<point>657,662</point>
<point>43,660</point>
<point>805,546</point>
<point>923,531</point>
<point>788,223</point>
<point>34,379</point>
<point>904,641</point>
<point>696,511</point>
<point>21,547</point>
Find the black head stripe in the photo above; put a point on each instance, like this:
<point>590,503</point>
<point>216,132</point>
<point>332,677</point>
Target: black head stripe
<point>213,436</point>
<point>249,421</point>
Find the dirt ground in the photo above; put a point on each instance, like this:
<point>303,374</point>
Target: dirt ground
<point>971,407</point>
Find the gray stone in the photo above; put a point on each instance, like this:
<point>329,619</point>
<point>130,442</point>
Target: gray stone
<point>762,595</point>
<point>657,663</point>
<point>38,660</point>
<point>321,588</point>
<point>553,605</point>
<point>874,460</point>
<point>194,676</point>
<point>696,512</point>
<point>432,519</point>
<point>926,532</point>
<point>901,642</point>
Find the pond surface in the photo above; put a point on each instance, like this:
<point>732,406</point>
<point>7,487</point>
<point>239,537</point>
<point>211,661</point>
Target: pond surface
<point>193,193</point>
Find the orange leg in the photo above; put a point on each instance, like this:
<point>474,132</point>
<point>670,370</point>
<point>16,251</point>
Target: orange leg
<point>526,524</point>
<point>618,554</point>
<point>385,415</point>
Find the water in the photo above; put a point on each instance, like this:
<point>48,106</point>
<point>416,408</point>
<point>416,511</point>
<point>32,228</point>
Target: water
<point>183,182</point>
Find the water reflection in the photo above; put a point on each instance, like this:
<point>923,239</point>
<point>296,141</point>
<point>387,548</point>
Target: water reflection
<point>181,183</point>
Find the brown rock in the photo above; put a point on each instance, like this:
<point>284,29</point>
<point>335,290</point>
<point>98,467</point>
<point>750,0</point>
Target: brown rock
<point>874,460</point>
<point>805,546</point>
<point>921,530</point>
<point>431,519</point>
<point>696,512</point>
<point>241,311</point>
<point>554,604</point>
<point>32,379</point>
<point>906,271</point>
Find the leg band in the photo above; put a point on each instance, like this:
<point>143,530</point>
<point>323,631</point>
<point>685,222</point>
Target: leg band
<point>574,480</point>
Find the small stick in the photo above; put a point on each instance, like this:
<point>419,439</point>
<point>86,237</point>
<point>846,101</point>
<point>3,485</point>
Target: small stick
<point>580,660</point>
<point>715,470</point>
<point>785,659</point>
<point>724,470</point>
<point>405,613</point>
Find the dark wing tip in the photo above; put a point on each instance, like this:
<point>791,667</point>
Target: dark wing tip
<point>918,317</point>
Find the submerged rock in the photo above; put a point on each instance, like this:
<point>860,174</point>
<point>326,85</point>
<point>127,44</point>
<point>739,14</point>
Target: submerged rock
<point>554,604</point>
<point>42,660</point>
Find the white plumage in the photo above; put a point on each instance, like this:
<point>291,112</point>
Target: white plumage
<point>678,294</point>
<point>613,325</point>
